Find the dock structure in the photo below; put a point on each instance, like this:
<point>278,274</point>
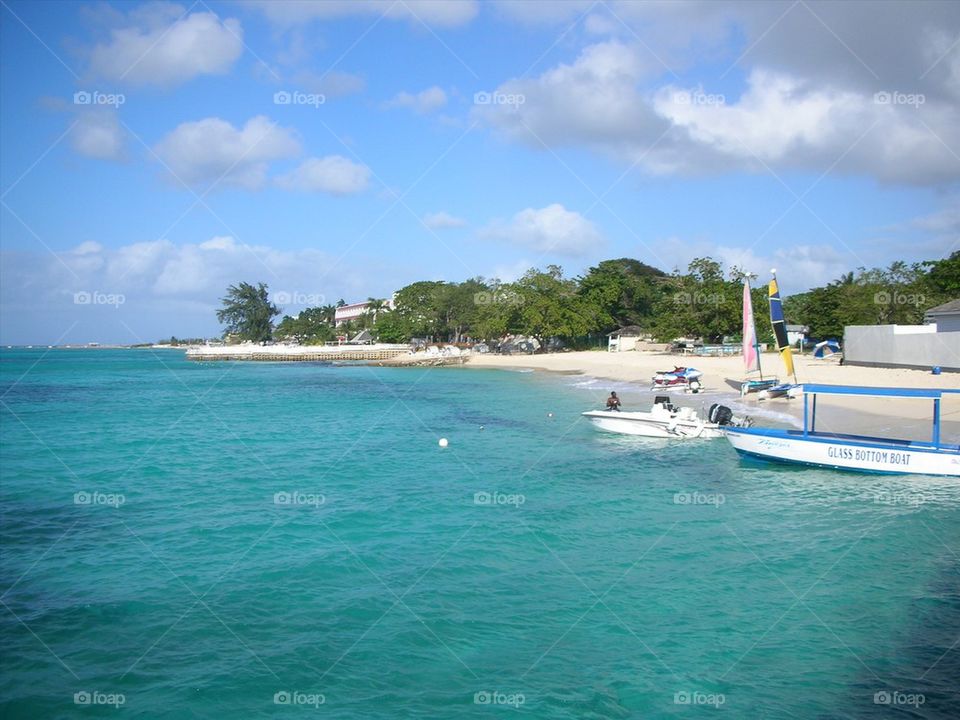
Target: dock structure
<point>295,354</point>
<point>424,360</point>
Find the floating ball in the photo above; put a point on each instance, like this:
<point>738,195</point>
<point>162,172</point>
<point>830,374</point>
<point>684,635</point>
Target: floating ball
<point>443,442</point>
<point>549,414</point>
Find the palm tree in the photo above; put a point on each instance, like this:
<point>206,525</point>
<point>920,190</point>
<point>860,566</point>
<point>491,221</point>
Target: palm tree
<point>375,306</point>
<point>329,313</point>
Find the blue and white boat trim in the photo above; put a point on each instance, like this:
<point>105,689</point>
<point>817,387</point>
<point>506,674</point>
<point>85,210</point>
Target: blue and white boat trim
<point>853,452</point>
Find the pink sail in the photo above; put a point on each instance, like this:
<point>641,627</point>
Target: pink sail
<point>750,357</point>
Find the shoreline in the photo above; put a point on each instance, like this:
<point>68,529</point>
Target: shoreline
<point>631,372</point>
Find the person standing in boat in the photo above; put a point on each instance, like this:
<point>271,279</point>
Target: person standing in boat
<point>613,402</point>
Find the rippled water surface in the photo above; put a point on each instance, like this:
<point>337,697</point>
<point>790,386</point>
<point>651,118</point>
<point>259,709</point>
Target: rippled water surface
<point>273,540</point>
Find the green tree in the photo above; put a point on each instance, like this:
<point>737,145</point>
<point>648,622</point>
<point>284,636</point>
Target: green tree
<point>390,328</point>
<point>247,312</point>
<point>375,306</point>
<point>310,327</point>
<point>551,306</point>
<point>621,292</point>
<point>702,304</point>
<point>419,307</point>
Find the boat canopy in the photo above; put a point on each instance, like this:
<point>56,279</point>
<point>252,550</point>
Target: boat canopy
<point>918,393</point>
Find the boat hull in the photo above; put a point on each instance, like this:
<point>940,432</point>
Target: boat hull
<point>786,447</point>
<point>752,386</point>
<point>644,425</point>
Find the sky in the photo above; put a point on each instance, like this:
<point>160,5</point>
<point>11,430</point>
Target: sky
<point>152,154</point>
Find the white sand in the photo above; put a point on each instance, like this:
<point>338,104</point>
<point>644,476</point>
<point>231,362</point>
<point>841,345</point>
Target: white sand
<point>878,415</point>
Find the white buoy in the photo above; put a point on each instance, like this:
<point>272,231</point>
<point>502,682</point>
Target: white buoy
<point>443,442</point>
<point>549,414</point>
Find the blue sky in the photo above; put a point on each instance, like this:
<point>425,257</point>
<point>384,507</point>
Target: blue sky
<point>444,140</point>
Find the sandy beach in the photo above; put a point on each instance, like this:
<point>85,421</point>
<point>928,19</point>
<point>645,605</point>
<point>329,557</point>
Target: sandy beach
<point>721,374</point>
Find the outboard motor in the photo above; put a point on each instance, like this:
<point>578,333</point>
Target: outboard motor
<point>720,414</point>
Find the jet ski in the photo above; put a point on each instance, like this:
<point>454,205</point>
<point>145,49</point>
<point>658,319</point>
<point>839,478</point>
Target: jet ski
<point>684,379</point>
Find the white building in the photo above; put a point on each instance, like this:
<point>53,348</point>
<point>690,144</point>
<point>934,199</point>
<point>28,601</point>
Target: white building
<point>946,317</point>
<point>796,334</point>
<point>624,339</point>
<point>346,313</point>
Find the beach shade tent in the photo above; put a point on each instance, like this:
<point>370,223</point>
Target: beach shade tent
<point>826,349</point>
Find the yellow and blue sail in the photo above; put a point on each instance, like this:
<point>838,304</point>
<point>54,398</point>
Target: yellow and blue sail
<point>780,327</point>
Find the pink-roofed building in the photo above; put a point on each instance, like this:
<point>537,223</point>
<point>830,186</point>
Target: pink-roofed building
<point>346,313</point>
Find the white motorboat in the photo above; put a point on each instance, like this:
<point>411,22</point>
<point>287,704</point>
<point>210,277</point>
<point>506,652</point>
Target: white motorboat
<point>665,420</point>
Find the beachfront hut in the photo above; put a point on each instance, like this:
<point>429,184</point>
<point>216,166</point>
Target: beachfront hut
<point>624,339</point>
<point>362,338</point>
<point>797,334</point>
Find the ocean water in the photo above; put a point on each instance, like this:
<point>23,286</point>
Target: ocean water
<point>288,540</point>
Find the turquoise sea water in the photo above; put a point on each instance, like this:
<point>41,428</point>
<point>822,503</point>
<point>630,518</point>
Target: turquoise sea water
<point>283,540</point>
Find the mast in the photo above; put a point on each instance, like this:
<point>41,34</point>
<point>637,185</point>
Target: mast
<point>779,323</point>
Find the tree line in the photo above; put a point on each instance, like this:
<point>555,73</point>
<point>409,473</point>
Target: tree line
<point>704,302</point>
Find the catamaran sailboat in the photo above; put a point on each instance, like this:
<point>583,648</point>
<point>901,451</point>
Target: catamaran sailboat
<point>771,387</point>
<point>751,348</point>
<point>810,446</point>
<point>665,420</point>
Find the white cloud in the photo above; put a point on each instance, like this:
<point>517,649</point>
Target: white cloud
<point>426,101</point>
<point>442,219</point>
<point>610,100</point>
<point>212,150</point>
<point>168,287</point>
<point>511,272</point>
<point>440,13</point>
<point>552,229</point>
<point>781,122</point>
<point>162,46</point>
<point>594,101</point>
<point>799,267</point>
<point>332,83</point>
<point>98,134</point>
<point>332,174</point>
